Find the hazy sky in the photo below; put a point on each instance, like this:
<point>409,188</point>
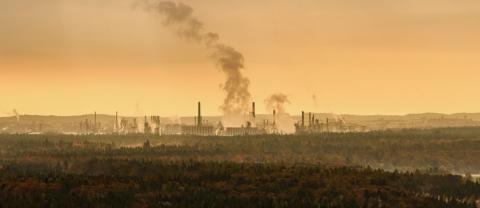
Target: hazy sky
<point>356,56</point>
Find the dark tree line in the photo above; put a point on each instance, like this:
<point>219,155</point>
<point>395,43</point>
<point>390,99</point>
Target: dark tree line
<point>151,183</point>
<point>454,150</point>
<point>396,168</point>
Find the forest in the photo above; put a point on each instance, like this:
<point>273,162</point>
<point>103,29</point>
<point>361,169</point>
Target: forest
<point>393,168</point>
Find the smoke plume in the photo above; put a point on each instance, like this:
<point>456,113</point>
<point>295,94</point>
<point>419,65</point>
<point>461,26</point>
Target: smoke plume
<point>17,116</point>
<point>179,17</point>
<point>315,101</point>
<point>284,123</point>
<point>277,102</point>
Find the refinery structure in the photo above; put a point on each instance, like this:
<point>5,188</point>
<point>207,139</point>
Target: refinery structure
<point>200,126</point>
<point>316,126</point>
<point>276,122</point>
<point>268,124</point>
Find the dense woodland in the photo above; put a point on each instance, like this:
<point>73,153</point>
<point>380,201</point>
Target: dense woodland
<point>401,168</point>
<point>454,150</point>
<point>134,183</point>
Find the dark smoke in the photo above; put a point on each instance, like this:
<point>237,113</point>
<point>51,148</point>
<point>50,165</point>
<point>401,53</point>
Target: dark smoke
<point>236,86</point>
<point>180,17</point>
<point>277,102</point>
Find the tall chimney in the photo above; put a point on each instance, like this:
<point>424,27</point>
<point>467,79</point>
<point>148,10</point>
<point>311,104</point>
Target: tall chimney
<point>313,119</point>
<point>116,121</point>
<point>303,118</point>
<point>253,109</point>
<point>328,128</point>
<point>274,120</point>
<point>146,126</point>
<point>199,116</point>
<point>95,121</point>
<point>309,119</point>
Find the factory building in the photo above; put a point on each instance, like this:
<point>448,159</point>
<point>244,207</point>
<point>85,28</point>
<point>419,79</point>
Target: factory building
<point>243,131</point>
<point>315,126</point>
<point>200,128</point>
<point>249,129</point>
<point>156,124</point>
<point>172,129</point>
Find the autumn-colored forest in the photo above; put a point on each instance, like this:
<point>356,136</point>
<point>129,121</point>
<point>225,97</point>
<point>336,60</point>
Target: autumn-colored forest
<point>401,168</point>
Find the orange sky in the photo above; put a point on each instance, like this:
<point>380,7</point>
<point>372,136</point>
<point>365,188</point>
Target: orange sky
<point>365,57</point>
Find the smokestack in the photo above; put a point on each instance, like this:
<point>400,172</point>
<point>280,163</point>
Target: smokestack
<point>199,116</point>
<point>116,121</point>
<point>95,120</point>
<point>146,126</point>
<point>328,129</point>
<point>303,118</point>
<point>274,117</point>
<point>309,119</point>
<point>253,109</point>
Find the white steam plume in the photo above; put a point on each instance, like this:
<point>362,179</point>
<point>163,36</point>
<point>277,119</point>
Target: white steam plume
<point>283,121</point>
<point>17,116</point>
<point>277,102</point>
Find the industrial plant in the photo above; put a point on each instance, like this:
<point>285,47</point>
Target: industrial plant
<point>202,127</point>
<point>276,122</point>
<point>316,126</point>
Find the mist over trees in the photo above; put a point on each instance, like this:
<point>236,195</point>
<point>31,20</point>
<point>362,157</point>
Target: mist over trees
<point>401,168</point>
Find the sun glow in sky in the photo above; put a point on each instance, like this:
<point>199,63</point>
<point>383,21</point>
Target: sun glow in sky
<point>69,57</point>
